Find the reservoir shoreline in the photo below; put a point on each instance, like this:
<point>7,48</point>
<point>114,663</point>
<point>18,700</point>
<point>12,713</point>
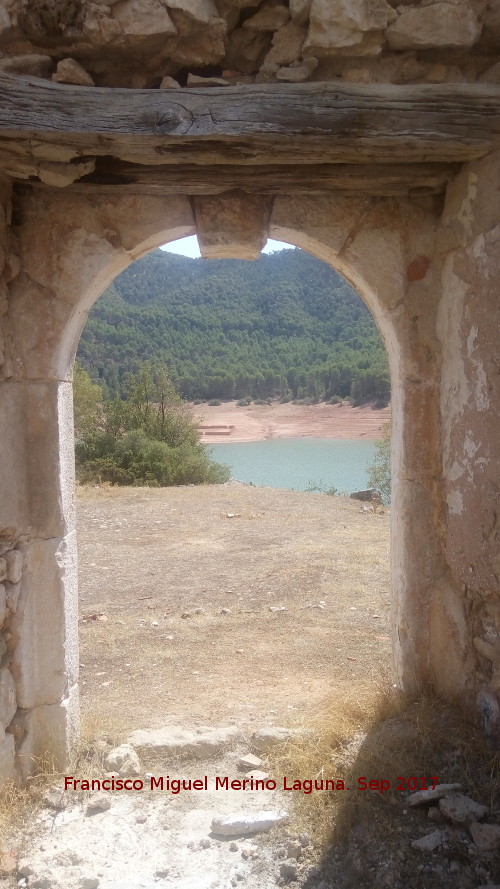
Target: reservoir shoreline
<point>228,423</point>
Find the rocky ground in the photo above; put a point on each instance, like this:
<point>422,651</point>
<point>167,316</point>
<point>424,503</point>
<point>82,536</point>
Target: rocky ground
<point>214,622</point>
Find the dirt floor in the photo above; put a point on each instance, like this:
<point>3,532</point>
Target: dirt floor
<point>259,422</point>
<point>159,567</point>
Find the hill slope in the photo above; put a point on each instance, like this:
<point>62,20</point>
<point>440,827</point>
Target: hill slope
<point>285,325</point>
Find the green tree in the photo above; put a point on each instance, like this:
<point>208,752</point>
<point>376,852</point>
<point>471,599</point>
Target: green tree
<point>149,438</point>
<point>379,473</point>
<point>87,402</point>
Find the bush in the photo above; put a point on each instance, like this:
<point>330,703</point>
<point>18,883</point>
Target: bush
<point>149,439</point>
<point>214,403</point>
<point>135,459</point>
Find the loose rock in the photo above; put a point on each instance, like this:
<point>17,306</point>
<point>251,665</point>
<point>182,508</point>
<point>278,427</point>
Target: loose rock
<point>485,836</point>
<point>123,760</point>
<point>424,797</point>
<point>249,761</point>
<point>247,825</point>
<point>430,842</point>
<point>462,809</point>
<point>99,802</point>
<point>70,71</point>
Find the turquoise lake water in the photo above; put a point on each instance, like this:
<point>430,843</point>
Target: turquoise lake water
<point>296,463</point>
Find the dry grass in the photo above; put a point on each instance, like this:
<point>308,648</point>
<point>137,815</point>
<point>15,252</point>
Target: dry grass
<point>378,732</point>
<point>146,556</point>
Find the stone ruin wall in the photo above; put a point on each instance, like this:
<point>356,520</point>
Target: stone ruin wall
<point>431,263</point>
<point>149,44</point>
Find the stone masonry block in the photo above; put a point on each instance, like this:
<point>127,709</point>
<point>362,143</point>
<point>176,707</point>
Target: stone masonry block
<point>45,625</point>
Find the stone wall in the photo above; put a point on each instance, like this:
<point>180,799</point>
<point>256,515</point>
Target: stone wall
<point>164,43</point>
<point>427,267</point>
<point>429,277</point>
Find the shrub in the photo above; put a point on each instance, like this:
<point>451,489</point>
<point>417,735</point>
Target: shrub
<point>214,403</point>
<point>149,439</point>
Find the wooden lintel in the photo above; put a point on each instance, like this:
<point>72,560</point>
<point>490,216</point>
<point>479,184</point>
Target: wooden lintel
<point>368,179</point>
<point>316,123</point>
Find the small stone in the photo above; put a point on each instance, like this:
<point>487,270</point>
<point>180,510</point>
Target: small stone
<point>186,614</point>
<point>70,71</point>
<point>424,797</point>
<point>169,83</point>
<point>55,798</point>
<point>485,836</point>
<point>141,819</point>
<point>462,809</point>
<point>196,80</point>
<point>205,843</point>
<point>430,842</point>
<point>249,761</point>
<point>233,847</point>
<point>162,871</point>
<point>225,611</point>
<point>98,802</point>
<point>247,825</point>
<point>274,608</point>
<point>124,760</point>
<point>304,839</point>
<point>289,870</point>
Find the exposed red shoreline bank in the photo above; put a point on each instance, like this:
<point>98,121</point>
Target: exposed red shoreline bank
<point>260,422</point>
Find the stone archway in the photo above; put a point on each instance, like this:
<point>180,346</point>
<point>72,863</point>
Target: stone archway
<point>420,269</point>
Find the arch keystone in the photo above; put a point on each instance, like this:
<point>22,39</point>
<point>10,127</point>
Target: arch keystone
<point>232,225</point>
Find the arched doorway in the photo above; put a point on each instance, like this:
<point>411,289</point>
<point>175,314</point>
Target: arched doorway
<point>71,247</point>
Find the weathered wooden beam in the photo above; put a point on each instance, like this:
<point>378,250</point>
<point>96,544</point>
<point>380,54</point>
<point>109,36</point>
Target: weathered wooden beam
<point>251,124</point>
<point>369,179</point>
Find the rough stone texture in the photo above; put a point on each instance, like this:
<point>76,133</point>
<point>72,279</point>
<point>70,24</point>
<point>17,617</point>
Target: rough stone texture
<point>462,809</point>
<point>485,836</point>
<point>343,23</point>
<point>70,71</point>
<point>438,24</point>
<point>124,760</point>
<point>426,797</point>
<point>429,274</point>
<point>201,743</point>
<point>143,17</point>
<point>234,826</point>
<point>430,842</point>
<point>135,43</point>
<point>232,224</point>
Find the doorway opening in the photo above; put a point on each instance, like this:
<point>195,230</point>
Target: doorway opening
<point>245,602</point>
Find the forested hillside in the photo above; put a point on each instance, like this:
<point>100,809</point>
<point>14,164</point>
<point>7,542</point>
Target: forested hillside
<point>284,326</point>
